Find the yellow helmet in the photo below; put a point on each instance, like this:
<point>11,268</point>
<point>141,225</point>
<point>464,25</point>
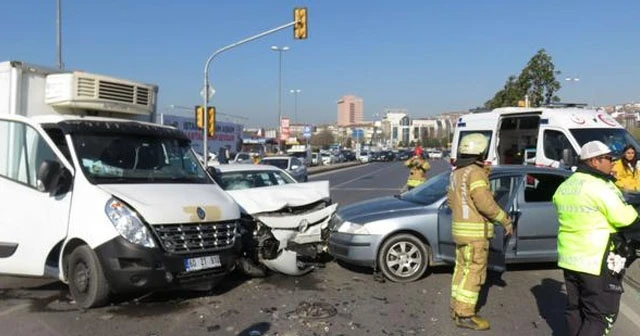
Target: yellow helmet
<point>473,144</point>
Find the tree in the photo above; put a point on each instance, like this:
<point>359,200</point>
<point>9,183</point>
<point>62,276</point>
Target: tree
<point>322,139</point>
<point>537,81</point>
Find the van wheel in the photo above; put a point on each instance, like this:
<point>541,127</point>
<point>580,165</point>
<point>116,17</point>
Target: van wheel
<point>87,282</point>
<point>403,258</point>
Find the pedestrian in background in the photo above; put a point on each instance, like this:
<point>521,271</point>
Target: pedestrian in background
<point>419,167</point>
<point>473,212</point>
<point>625,170</point>
<point>591,210</point>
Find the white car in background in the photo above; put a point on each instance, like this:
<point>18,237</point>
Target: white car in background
<point>435,154</point>
<point>285,223</point>
<point>328,158</point>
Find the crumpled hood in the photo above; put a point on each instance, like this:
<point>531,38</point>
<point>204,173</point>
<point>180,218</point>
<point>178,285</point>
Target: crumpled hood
<point>373,207</point>
<point>176,203</point>
<point>274,198</point>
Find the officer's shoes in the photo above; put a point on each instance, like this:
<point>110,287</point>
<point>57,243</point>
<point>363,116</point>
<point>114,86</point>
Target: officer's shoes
<point>472,322</point>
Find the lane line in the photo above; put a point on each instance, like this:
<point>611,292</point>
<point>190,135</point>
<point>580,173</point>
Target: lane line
<point>366,189</point>
<point>359,177</point>
<point>14,309</point>
<point>629,313</point>
<point>336,170</point>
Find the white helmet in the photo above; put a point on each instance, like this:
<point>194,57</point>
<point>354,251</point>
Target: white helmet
<point>473,144</point>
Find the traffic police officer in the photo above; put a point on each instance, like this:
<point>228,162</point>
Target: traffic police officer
<point>473,209</point>
<point>419,167</point>
<point>591,210</point>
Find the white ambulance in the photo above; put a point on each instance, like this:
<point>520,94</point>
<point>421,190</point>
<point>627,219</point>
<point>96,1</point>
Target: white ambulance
<point>545,136</point>
<point>95,194</point>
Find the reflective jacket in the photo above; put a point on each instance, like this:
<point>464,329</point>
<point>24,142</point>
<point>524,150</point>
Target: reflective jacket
<point>472,205</point>
<point>590,207</point>
<point>418,173</point>
<point>626,178</point>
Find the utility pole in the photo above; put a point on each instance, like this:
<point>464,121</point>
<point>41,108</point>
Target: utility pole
<point>59,34</point>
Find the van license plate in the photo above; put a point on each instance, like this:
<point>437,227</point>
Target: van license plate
<point>196,264</point>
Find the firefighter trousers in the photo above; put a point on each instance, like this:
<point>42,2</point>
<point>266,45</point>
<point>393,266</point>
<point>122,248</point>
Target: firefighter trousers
<point>593,302</point>
<point>469,275</point>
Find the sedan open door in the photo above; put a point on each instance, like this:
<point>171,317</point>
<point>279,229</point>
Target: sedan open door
<point>504,190</point>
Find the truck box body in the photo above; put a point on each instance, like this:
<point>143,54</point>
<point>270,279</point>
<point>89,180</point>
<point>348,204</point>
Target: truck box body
<point>31,90</point>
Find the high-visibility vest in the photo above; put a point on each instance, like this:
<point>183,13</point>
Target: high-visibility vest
<point>589,210</point>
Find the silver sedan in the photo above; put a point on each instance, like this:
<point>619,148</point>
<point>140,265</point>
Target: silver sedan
<point>403,235</point>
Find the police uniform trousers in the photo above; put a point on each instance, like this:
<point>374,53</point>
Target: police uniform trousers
<point>593,302</point>
<point>469,275</point>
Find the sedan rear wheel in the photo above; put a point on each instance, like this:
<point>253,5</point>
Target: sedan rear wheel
<point>403,258</point>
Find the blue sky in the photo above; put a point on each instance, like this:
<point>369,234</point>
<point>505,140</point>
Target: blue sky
<point>427,57</point>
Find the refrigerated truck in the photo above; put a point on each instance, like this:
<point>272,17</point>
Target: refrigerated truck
<point>96,195</point>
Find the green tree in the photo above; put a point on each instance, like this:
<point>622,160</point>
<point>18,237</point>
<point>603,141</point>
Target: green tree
<point>322,139</point>
<point>537,81</point>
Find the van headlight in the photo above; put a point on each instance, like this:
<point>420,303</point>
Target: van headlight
<point>128,224</point>
<point>353,228</point>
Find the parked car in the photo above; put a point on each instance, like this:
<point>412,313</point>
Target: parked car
<point>316,159</point>
<point>285,223</point>
<point>405,234</point>
<point>435,154</point>
<point>364,157</point>
<point>292,165</point>
<point>328,158</point>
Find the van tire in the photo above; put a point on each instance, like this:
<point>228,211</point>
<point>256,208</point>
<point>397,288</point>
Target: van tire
<point>412,251</point>
<point>87,283</point>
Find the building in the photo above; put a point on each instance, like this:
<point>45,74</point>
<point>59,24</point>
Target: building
<point>350,110</point>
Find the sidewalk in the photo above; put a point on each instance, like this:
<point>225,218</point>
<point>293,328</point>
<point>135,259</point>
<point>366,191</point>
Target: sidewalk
<point>632,276</point>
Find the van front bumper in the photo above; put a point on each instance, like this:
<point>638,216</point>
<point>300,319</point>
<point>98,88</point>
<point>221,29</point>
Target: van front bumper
<point>130,268</point>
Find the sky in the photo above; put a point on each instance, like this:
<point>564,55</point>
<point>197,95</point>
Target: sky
<point>425,56</point>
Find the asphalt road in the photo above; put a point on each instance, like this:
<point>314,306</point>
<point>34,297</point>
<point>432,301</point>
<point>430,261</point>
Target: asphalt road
<point>332,300</point>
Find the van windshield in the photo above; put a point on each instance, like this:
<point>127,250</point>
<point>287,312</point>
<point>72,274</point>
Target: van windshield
<point>615,138</point>
<point>113,157</point>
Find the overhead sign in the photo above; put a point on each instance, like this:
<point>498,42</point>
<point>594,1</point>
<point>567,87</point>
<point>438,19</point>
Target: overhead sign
<point>306,132</point>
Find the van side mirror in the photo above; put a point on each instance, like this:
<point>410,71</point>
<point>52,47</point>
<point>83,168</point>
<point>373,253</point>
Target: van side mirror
<point>568,158</point>
<point>53,177</point>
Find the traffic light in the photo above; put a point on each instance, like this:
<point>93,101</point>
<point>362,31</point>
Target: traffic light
<point>300,27</point>
<point>199,117</point>
<point>211,121</point>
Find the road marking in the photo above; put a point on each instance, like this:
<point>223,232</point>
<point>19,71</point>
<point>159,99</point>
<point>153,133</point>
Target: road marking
<point>366,189</point>
<point>358,178</point>
<point>336,170</point>
<point>629,313</point>
<point>14,309</point>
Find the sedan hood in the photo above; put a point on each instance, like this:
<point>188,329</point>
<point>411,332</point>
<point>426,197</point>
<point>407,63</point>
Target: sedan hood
<point>176,203</point>
<point>374,206</point>
<point>274,198</point>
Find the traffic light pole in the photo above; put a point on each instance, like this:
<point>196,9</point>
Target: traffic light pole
<point>205,90</point>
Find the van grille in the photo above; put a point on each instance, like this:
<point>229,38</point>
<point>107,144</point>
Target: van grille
<point>196,237</point>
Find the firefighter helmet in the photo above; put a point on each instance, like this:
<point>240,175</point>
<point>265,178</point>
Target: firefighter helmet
<point>473,144</point>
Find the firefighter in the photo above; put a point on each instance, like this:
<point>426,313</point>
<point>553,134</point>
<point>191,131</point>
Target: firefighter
<point>592,213</point>
<point>419,167</point>
<point>473,209</point>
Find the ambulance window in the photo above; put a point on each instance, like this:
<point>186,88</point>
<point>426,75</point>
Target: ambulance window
<point>554,143</point>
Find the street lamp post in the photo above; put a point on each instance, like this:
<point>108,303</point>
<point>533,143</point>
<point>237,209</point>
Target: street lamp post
<point>295,103</point>
<point>280,50</point>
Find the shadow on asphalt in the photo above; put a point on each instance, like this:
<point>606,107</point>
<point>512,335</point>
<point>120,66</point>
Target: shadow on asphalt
<point>256,329</point>
<point>551,304</point>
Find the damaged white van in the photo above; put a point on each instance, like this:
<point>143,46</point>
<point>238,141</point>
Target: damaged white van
<point>95,195</point>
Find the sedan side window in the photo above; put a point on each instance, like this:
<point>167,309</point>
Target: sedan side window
<point>503,188</point>
<point>541,187</point>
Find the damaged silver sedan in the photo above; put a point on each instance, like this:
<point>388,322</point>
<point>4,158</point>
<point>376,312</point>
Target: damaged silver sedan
<point>285,223</point>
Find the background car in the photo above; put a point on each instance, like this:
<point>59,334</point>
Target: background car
<point>292,165</point>
<point>238,177</point>
<point>402,235</point>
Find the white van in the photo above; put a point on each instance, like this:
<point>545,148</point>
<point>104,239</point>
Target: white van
<point>106,205</point>
<point>545,136</point>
